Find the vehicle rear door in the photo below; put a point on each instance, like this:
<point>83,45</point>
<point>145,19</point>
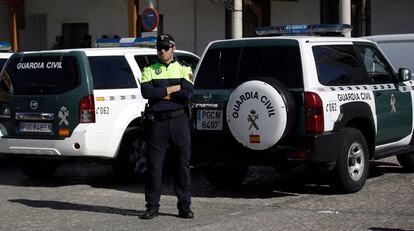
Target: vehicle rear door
<point>40,94</point>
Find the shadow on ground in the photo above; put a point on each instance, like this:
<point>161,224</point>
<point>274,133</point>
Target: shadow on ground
<point>261,182</point>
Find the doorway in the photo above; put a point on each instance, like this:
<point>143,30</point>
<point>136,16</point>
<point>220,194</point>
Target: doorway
<point>73,34</point>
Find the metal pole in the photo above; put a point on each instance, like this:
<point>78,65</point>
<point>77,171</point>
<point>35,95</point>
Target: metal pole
<point>346,14</point>
<point>132,18</point>
<point>237,17</point>
<point>13,27</point>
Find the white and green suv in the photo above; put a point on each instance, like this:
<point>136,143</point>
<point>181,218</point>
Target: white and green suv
<point>334,103</point>
<point>60,104</point>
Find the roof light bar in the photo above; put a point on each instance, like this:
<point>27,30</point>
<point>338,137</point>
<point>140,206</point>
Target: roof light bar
<point>304,29</point>
<point>107,42</point>
<point>138,42</point>
<point>5,46</point>
<point>127,42</point>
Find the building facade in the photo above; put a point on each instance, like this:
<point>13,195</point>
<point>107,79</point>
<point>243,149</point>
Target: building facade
<point>192,22</point>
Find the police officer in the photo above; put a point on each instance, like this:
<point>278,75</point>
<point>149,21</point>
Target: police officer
<point>168,86</point>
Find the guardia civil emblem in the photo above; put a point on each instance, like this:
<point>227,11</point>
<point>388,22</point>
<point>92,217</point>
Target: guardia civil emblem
<point>252,117</point>
<point>393,103</point>
<point>158,71</point>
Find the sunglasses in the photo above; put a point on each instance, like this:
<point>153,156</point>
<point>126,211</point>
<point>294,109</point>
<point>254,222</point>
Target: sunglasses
<point>165,48</point>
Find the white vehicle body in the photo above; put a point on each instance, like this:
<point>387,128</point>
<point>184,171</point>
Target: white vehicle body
<point>111,75</point>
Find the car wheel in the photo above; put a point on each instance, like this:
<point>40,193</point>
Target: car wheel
<point>226,176</point>
<point>352,164</point>
<point>130,162</point>
<point>406,161</point>
<point>39,168</point>
<point>260,113</point>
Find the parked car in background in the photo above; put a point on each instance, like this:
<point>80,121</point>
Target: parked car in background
<point>4,53</point>
<point>399,49</point>
<point>76,103</point>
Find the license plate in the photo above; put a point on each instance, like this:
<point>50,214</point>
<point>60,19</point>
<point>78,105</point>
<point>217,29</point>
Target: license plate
<point>35,127</point>
<point>209,120</point>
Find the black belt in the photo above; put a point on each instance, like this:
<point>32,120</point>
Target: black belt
<point>168,115</point>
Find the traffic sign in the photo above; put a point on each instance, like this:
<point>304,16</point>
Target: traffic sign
<point>150,19</point>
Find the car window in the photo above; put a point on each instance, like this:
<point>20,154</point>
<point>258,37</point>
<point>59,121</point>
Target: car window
<point>145,60</point>
<point>40,75</point>
<point>282,63</point>
<point>225,68</point>
<point>111,72</point>
<point>188,60</point>
<point>218,69</point>
<point>2,62</point>
<point>377,68</point>
<point>338,65</point>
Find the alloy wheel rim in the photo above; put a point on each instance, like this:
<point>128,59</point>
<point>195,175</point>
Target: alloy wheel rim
<point>356,162</point>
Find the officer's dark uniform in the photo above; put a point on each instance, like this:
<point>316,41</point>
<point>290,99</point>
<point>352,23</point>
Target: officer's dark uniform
<point>169,125</point>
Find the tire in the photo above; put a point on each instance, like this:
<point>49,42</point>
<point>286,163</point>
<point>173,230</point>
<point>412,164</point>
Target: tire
<point>226,176</point>
<point>130,161</point>
<point>406,161</point>
<point>260,113</point>
<point>39,168</point>
<point>352,165</point>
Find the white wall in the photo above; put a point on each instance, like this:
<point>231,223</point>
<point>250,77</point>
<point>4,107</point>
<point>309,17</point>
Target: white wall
<point>392,16</point>
<point>179,21</point>
<point>104,16</point>
<point>210,23</point>
<point>193,23</point>
<point>295,12</point>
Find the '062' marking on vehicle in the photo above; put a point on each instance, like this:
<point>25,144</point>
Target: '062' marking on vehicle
<point>331,107</point>
<point>102,110</point>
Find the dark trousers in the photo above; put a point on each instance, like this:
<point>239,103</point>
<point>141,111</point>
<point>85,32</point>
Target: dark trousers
<point>176,132</point>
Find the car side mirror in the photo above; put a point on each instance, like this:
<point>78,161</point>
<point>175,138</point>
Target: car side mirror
<point>404,74</point>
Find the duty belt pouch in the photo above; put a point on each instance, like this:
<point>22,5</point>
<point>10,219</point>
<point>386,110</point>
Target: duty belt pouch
<point>147,117</point>
<point>187,109</point>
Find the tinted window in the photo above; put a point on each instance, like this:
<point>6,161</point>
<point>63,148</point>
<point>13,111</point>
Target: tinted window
<point>145,60</point>
<point>377,68</point>
<point>188,60</point>
<point>2,62</point>
<point>282,63</point>
<point>40,75</point>
<point>220,68</point>
<point>111,72</point>
<point>338,65</point>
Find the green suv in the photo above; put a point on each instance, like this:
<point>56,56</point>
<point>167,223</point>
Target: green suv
<point>329,102</point>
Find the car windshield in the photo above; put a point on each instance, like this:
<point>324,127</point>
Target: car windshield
<point>40,75</point>
<point>225,68</point>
